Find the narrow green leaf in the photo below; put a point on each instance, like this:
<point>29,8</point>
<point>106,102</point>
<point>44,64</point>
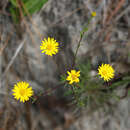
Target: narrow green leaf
<point>34,6</point>
<point>129,92</point>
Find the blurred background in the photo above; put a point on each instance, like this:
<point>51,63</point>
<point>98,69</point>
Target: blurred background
<point>23,24</point>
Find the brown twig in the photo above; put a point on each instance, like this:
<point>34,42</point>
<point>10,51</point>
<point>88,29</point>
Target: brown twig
<point>13,58</point>
<point>28,115</point>
<point>34,25</point>
<point>119,5</point>
<point>5,44</point>
<point>26,25</point>
<point>126,92</point>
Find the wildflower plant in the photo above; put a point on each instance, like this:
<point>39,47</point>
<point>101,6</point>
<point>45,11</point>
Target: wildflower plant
<point>88,91</point>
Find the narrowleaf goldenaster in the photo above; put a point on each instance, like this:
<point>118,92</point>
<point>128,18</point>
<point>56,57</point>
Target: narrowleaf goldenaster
<point>49,46</point>
<point>73,76</point>
<point>93,14</point>
<point>106,72</point>
<point>22,91</point>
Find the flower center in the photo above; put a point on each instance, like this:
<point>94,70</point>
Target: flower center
<point>49,47</point>
<point>22,92</point>
<point>104,72</point>
<point>74,77</point>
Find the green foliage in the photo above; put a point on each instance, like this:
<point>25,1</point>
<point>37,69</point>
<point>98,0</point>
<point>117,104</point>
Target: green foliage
<point>34,99</point>
<point>86,27</point>
<point>69,92</point>
<point>93,92</point>
<point>15,14</point>
<point>129,92</point>
<point>27,6</point>
<point>63,78</point>
<point>125,80</point>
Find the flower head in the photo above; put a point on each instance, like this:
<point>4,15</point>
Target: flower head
<point>93,14</point>
<point>22,91</point>
<point>106,71</point>
<point>49,46</point>
<point>73,76</point>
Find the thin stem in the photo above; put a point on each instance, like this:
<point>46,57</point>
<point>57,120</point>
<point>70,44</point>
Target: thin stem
<point>79,43</point>
<point>81,37</point>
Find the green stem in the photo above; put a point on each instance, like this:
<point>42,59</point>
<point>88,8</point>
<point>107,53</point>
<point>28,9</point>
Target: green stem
<point>79,43</point>
<point>81,37</point>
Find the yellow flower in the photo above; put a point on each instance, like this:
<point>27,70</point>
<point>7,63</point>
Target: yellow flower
<point>22,91</point>
<point>106,71</point>
<point>73,76</point>
<point>93,14</point>
<point>49,46</point>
